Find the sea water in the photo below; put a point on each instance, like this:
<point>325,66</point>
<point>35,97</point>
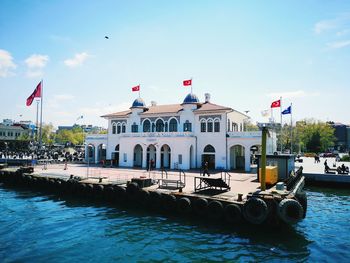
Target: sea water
<point>35,227</point>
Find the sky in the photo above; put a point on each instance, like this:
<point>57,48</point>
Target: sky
<point>246,54</point>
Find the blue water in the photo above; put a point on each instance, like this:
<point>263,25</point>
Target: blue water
<point>42,228</point>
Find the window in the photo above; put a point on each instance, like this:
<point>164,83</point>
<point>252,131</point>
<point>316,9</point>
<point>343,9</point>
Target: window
<point>146,126</point>
<point>203,126</point>
<point>217,126</point>
<point>125,157</point>
<point>187,126</point>
<point>173,125</point>
<point>180,158</point>
<point>228,125</point>
<point>118,129</point>
<point>123,128</point>
<point>210,126</point>
<point>117,148</point>
<point>114,128</point>
<point>134,127</point>
<point>209,149</point>
<point>159,126</point>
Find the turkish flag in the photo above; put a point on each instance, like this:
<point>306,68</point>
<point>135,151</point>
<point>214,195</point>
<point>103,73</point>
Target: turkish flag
<point>187,82</point>
<point>276,104</point>
<point>136,88</point>
<point>36,94</point>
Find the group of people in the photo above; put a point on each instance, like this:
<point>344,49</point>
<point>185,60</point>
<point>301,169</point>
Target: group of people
<point>342,169</point>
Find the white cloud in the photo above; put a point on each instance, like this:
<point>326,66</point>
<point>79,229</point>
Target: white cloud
<point>57,100</point>
<point>6,64</point>
<point>339,44</point>
<point>34,74</point>
<point>77,60</point>
<point>292,94</point>
<point>102,110</point>
<point>37,61</point>
<point>339,22</point>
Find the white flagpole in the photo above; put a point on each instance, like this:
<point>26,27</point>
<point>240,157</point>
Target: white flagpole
<point>41,113</point>
<point>191,87</point>
<point>37,121</point>
<point>139,90</point>
<point>281,124</point>
<point>291,129</point>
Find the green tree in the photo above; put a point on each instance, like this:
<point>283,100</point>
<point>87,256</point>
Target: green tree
<point>48,135</point>
<point>24,137</point>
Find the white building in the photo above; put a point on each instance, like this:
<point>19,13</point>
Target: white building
<point>176,136</point>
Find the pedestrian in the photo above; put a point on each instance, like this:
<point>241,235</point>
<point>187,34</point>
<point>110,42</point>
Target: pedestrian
<point>205,169</point>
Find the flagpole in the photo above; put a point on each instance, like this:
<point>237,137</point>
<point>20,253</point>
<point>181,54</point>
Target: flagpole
<point>41,113</point>
<point>191,87</point>
<point>281,124</point>
<point>139,91</point>
<point>37,120</point>
<point>291,129</point>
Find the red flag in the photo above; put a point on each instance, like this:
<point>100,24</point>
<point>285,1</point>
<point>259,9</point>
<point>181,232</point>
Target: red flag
<point>276,104</point>
<point>136,88</point>
<point>187,82</point>
<point>36,94</point>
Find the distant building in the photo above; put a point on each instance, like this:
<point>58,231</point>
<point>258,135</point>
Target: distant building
<point>11,133</point>
<point>341,133</point>
<point>177,136</point>
<point>87,128</point>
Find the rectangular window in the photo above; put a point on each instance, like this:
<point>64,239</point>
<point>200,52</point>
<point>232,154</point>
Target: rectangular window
<point>180,158</point>
<point>118,129</point>
<point>187,127</point>
<point>123,128</point>
<point>134,128</point>
<point>203,126</point>
<point>113,129</point>
<point>210,126</point>
<point>216,126</point>
<point>125,157</point>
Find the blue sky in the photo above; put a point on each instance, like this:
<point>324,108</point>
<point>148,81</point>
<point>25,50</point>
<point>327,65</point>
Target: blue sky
<point>246,54</point>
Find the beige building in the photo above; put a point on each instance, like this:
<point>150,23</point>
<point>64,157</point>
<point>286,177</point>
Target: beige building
<point>10,133</point>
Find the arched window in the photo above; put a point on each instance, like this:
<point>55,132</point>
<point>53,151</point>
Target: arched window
<point>203,125</point>
<point>209,149</point>
<point>118,128</point>
<point>173,125</point>
<point>234,126</point>
<point>187,126</point>
<point>123,128</point>
<point>159,126</point>
<point>114,128</point>
<point>146,126</point>
<point>210,125</point>
<point>117,148</point>
<point>216,125</point>
<point>134,127</point>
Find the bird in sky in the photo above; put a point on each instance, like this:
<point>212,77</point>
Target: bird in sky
<point>106,37</point>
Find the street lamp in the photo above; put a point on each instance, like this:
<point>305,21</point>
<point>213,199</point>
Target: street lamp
<point>88,160</point>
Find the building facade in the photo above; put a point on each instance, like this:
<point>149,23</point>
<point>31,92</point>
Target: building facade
<point>176,136</point>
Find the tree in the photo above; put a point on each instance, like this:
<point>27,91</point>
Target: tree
<point>48,135</point>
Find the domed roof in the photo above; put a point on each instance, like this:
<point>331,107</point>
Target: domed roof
<point>138,103</point>
<point>191,98</point>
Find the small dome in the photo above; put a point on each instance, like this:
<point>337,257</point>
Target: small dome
<point>191,98</point>
<point>138,103</point>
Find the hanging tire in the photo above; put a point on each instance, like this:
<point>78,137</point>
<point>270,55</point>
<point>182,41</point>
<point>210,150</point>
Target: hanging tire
<point>98,190</point>
<point>302,198</point>
<point>169,203</point>
<point>108,193</point>
<point>255,211</point>
<point>89,190</point>
<point>233,213</point>
<point>155,200</point>
<point>290,211</point>
<point>215,210</point>
<point>184,205</point>
<point>131,191</point>
<point>120,193</point>
<point>200,206</point>
<point>143,198</point>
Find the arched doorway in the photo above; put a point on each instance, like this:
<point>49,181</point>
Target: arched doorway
<point>151,156</point>
<point>165,156</point>
<point>101,154</point>
<point>209,156</point>
<point>138,153</point>
<point>115,156</point>
<point>254,150</point>
<point>237,159</point>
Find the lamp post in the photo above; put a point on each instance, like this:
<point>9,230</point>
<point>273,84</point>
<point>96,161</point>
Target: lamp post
<point>88,160</point>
